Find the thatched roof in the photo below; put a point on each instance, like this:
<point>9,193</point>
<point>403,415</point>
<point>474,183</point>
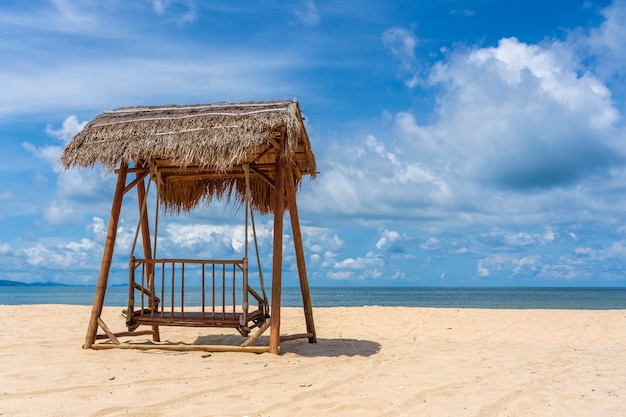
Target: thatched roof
<point>195,152</point>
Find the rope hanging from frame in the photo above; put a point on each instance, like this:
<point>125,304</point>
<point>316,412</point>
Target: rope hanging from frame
<point>141,214</point>
<point>246,169</point>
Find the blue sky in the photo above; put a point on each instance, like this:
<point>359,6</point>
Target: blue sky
<point>459,142</point>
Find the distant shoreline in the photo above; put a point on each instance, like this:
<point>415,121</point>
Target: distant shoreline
<point>9,283</point>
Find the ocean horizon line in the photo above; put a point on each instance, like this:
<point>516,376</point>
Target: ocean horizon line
<point>579,298</point>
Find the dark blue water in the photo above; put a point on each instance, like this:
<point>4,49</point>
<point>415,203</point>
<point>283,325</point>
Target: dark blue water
<point>518,298</point>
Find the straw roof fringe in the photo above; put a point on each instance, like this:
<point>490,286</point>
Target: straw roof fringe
<point>216,138</point>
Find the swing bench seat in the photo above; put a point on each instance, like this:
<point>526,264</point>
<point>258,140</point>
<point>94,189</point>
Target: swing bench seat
<point>193,293</point>
<point>194,318</point>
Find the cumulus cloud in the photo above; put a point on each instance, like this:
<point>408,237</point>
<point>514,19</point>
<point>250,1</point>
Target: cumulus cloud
<point>51,153</point>
<point>369,266</point>
<point>81,255</point>
<point>510,265</point>
<point>320,239</point>
<point>370,179</point>
<point>517,116</point>
<point>213,239</point>
<point>97,228</point>
<point>71,126</point>
<point>363,262</point>
<point>389,240</point>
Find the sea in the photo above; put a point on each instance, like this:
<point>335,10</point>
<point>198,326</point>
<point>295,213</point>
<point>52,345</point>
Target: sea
<point>575,298</point>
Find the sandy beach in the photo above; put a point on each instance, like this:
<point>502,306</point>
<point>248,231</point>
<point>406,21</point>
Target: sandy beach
<point>369,361</point>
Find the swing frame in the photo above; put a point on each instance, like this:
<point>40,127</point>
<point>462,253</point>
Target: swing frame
<point>150,288</point>
<point>207,151</point>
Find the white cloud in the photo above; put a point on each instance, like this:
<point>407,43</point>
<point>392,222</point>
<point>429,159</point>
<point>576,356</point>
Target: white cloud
<point>320,239</point>
<point>519,116</point>
<point>98,228</point>
<point>401,44</point>
<point>83,245</point>
<point>432,243</point>
<point>178,11</point>
<point>388,240</point>
<point>481,270</point>
<point>306,13</point>
<point>86,186</point>
<point>54,16</point>
<point>585,252</point>
<point>340,275</point>
<point>607,42</point>
<point>213,239</point>
<point>5,249</point>
<point>618,250</point>
<point>367,179</point>
<point>96,84</point>
<point>511,240</point>
<point>71,126</point>
<point>48,153</point>
<point>510,265</point>
<point>361,263</point>
<point>39,255</point>
<point>61,213</point>
<point>549,236</point>
<point>71,13</point>
<point>7,196</point>
<point>463,12</point>
<point>159,6</point>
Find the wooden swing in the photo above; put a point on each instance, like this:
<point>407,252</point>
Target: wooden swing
<point>256,153</point>
<point>219,307</point>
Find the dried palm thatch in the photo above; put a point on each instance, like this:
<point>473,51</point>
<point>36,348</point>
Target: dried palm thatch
<point>196,152</point>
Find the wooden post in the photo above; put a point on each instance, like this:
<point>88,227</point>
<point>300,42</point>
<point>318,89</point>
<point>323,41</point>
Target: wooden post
<point>107,257</point>
<point>147,249</point>
<point>300,261</point>
<point>277,255</point>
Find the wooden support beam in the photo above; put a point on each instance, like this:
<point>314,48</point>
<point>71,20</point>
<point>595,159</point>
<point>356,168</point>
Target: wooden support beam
<point>108,331</point>
<point>288,337</point>
<point>257,334</point>
<point>277,254</point>
<point>147,246</point>
<point>107,257</point>
<point>299,249</point>
<point>123,334</point>
<point>267,150</point>
<point>182,348</point>
<point>139,178</point>
<point>263,176</point>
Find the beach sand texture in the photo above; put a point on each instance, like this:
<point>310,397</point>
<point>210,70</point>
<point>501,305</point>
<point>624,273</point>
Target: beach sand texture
<point>369,361</point>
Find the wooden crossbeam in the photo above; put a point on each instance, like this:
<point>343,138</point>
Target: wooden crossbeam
<point>182,348</point>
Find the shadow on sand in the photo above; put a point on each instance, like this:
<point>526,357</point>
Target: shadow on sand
<point>302,347</point>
